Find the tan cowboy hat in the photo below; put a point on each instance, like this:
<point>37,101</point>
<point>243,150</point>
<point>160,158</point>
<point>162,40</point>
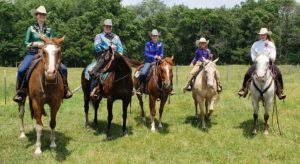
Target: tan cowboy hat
<point>107,22</point>
<point>40,9</point>
<point>264,31</point>
<point>154,32</point>
<point>201,40</point>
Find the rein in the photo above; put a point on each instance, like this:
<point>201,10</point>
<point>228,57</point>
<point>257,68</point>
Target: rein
<point>156,77</point>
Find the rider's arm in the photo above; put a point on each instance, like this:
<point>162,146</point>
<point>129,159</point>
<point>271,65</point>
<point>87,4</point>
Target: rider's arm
<point>272,51</point>
<point>120,48</point>
<point>27,42</point>
<point>97,43</point>
<point>147,53</point>
<point>253,52</point>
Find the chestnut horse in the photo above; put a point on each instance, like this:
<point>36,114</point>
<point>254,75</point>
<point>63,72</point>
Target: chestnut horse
<point>118,85</point>
<point>158,87</point>
<point>45,86</point>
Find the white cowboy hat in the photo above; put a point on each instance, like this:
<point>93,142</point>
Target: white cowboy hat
<point>264,31</point>
<point>201,40</point>
<point>107,22</point>
<point>154,32</point>
<point>40,9</point>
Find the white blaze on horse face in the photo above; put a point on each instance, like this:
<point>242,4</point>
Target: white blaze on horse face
<point>167,82</point>
<point>262,66</point>
<point>210,76</point>
<point>51,49</point>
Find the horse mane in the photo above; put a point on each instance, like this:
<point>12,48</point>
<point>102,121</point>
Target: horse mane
<point>132,62</point>
<point>121,60</point>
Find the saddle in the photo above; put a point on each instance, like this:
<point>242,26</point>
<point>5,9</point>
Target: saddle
<point>35,61</point>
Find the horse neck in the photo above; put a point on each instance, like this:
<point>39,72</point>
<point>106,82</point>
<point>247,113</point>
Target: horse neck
<point>121,67</point>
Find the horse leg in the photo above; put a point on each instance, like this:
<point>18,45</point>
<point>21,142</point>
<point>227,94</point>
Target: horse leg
<point>37,108</point>
<point>210,104</point>
<point>202,113</point>
<point>110,102</point>
<point>53,125</point>
<point>152,112</point>
<point>161,110</point>
<point>96,107</point>
<point>21,116</point>
<point>266,116</point>
<point>196,108</point>
<point>255,116</point>
<point>86,109</point>
<point>125,106</point>
<point>142,107</point>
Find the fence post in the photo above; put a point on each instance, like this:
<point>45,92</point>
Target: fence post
<point>228,72</point>
<point>5,87</point>
<point>176,75</point>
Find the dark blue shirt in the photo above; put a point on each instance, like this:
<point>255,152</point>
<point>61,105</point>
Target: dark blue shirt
<point>152,50</point>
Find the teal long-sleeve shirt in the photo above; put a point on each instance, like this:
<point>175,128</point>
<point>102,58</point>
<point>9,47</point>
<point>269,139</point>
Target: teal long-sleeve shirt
<point>32,34</point>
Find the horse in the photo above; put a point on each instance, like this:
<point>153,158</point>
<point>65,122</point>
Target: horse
<point>118,85</point>
<point>204,90</point>
<point>45,86</point>
<point>262,88</point>
<point>158,87</point>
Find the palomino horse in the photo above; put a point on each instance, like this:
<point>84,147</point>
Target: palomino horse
<point>205,90</point>
<point>158,87</point>
<point>45,86</point>
<point>262,88</point>
<point>118,85</point>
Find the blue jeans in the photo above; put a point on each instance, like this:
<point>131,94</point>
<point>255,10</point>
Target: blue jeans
<point>144,71</point>
<point>26,63</point>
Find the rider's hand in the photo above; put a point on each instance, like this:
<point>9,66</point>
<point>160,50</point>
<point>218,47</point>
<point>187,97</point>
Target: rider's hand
<point>191,65</point>
<point>157,57</point>
<point>37,44</point>
<point>113,47</point>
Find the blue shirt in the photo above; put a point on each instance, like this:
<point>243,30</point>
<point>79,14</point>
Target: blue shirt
<point>104,40</point>
<point>200,54</point>
<point>152,50</point>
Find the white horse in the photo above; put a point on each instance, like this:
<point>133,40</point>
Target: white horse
<point>205,90</point>
<point>262,88</point>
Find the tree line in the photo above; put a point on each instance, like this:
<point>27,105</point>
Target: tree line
<point>230,31</point>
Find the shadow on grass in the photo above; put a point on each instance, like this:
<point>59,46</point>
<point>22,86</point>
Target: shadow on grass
<point>196,123</point>
<point>164,130</point>
<point>247,127</point>
<point>116,129</point>
<point>61,141</point>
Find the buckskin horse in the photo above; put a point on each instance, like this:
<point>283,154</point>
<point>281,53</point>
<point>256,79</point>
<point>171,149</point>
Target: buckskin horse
<point>45,86</point>
<point>262,89</point>
<point>118,85</point>
<point>205,90</point>
<point>158,87</point>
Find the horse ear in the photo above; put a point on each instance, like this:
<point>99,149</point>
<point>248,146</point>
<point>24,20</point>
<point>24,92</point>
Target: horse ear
<point>172,57</point>
<point>58,40</point>
<point>215,61</point>
<point>110,49</point>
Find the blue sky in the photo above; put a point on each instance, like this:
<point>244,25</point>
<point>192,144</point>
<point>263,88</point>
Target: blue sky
<point>195,3</point>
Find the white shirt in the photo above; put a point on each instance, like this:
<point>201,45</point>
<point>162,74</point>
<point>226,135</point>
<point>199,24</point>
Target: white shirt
<point>263,47</point>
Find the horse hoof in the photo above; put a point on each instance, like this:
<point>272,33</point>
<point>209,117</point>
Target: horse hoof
<point>254,132</point>
<point>53,145</point>
<point>152,129</point>
<point>266,132</point>
<point>160,125</point>
<point>22,136</point>
<point>125,133</point>
<point>203,127</point>
<point>38,152</point>
<point>144,120</point>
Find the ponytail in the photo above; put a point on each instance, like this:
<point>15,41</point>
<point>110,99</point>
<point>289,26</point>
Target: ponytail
<point>269,37</point>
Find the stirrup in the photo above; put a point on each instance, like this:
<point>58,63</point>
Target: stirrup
<point>138,92</point>
<point>19,97</point>
<point>68,94</point>
<point>219,88</point>
<point>281,96</point>
<point>242,93</point>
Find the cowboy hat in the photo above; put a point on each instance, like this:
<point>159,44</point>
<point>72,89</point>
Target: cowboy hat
<point>107,22</point>
<point>201,40</point>
<point>264,31</point>
<point>154,32</point>
<point>40,9</point>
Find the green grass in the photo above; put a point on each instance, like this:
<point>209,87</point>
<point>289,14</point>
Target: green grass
<point>227,139</point>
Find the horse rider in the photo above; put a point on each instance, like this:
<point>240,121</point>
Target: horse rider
<point>202,52</point>
<point>264,45</point>
<point>33,42</point>
<point>154,51</point>
<point>103,41</point>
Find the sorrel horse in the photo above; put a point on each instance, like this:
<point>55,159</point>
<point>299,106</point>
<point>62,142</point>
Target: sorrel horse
<point>158,87</point>
<point>205,90</point>
<point>45,86</point>
<point>118,85</point>
<point>262,88</point>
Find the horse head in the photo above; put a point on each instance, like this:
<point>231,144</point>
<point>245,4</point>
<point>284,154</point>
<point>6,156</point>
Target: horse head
<point>262,66</point>
<point>104,61</point>
<point>165,68</point>
<point>51,56</point>
<point>210,71</point>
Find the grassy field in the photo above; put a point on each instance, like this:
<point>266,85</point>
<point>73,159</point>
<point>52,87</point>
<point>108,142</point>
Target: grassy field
<point>228,137</point>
